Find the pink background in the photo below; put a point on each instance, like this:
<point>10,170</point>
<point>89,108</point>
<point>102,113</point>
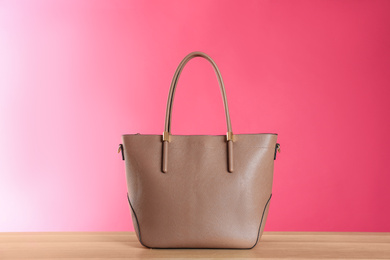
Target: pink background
<point>76,75</point>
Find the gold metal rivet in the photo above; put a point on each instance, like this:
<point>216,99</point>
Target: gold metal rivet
<point>229,136</point>
<point>166,136</point>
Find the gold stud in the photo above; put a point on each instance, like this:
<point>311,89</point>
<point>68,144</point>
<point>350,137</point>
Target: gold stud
<point>229,136</point>
<point>166,136</point>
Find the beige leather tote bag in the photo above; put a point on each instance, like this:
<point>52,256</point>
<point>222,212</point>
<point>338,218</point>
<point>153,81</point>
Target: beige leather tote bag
<point>199,191</point>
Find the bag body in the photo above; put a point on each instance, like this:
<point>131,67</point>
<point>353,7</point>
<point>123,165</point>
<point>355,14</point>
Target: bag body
<point>199,191</point>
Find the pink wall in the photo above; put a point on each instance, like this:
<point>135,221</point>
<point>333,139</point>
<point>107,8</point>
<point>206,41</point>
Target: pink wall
<point>76,75</point>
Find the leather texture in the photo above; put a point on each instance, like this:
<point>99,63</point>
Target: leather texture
<point>198,201</point>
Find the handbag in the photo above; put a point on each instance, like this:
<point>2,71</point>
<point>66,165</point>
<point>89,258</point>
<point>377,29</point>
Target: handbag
<point>199,191</point>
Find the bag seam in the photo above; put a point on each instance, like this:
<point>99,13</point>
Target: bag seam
<point>136,219</point>
<point>261,222</point>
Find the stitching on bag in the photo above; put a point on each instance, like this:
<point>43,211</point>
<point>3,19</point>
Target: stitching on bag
<point>136,219</point>
<point>261,222</point>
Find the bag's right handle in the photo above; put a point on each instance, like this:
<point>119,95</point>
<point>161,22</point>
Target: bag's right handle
<point>168,115</point>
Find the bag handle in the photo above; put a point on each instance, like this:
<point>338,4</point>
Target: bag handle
<point>174,84</point>
<point>168,114</point>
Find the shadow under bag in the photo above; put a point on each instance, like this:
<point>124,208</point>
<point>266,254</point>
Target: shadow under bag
<point>199,191</point>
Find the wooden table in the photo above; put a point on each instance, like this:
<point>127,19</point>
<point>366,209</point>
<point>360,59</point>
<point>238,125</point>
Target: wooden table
<point>124,245</point>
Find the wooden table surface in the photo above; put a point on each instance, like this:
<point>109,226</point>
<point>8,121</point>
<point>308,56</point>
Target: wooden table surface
<point>124,245</point>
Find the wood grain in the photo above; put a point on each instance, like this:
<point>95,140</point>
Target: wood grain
<point>124,245</point>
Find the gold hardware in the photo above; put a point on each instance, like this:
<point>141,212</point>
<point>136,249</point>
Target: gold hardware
<point>119,148</point>
<point>229,136</point>
<point>278,148</point>
<point>166,136</point>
